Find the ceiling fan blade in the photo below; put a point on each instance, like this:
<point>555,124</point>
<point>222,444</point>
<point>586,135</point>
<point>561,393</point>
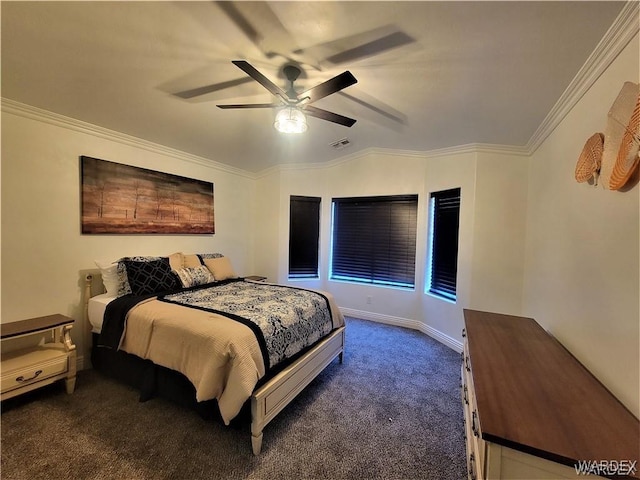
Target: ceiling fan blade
<point>332,85</point>
<point>231,10</point>
<point>393,40</point>
<point>250,105</point>
<point>376,106</point>
<point>196,92</point>
<point>357,46</point>
<point>279,41</point>
<point>329,116</point>
<point>247,68</point>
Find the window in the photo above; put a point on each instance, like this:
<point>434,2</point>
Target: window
<point>304,234</point>
<point>445,216</point>
<point>374,240</point>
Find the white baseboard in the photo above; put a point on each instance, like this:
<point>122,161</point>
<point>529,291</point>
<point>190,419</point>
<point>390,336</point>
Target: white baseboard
<point>450,342</point>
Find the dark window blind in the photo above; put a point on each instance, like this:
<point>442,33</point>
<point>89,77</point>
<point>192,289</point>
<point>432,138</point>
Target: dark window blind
<point>444,246</point>
<point>304,235</point>
<point>374,239</point>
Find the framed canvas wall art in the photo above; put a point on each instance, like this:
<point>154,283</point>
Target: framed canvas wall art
<point>121,199</point>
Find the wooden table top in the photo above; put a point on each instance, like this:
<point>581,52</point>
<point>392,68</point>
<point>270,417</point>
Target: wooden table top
<point>534,396</point>
<point>32,325</point>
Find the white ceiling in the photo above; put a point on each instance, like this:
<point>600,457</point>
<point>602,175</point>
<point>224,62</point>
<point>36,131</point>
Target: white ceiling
<point>468,72</point>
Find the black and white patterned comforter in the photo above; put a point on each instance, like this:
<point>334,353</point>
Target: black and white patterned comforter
<point>284,319</point>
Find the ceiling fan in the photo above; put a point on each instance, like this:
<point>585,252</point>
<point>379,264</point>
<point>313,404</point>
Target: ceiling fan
<point>291,118</point>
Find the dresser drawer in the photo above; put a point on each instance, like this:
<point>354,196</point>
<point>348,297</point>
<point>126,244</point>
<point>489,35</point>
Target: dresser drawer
<point>25,367</point>
<point>476,446</point>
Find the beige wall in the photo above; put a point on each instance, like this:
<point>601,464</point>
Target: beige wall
<point>267,226</point>
<point>499,232</point>
<point>492,230</point>
<point>43,251</point>
<point>581,268</point>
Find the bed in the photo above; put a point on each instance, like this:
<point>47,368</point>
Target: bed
<point>187,328</point>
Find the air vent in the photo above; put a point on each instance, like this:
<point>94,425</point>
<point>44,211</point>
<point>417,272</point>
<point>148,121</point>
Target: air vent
<point>340,144</point>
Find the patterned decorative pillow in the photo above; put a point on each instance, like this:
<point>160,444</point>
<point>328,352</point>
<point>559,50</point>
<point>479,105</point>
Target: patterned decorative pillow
<point>123,281</point>
<point>209,255</point>
<point>193,276</point>
<point>153,276</point>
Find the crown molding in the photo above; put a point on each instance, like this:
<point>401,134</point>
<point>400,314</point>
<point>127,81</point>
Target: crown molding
<point>623,30</point>
<point>367,152</point>
<point>471,148</point>
<point>35,113</point>
<point>338,161</point>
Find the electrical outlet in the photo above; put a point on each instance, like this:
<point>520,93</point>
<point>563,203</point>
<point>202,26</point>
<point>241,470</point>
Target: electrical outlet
<point>369,300</point>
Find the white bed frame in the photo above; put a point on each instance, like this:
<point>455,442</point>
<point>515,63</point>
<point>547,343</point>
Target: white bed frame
<point>269,400</point>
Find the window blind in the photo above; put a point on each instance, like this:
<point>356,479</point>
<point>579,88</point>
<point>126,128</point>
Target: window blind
<point>374,239</point>
<point>304,235</point>
<point>444,242</point>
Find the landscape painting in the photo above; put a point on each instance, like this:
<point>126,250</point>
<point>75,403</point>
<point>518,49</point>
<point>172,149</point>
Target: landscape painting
<point>121,199</point>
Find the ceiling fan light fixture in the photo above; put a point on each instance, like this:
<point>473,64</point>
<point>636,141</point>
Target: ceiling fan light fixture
<point>290,120</point>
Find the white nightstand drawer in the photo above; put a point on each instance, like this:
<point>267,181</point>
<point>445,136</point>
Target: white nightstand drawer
<point>25,367</point>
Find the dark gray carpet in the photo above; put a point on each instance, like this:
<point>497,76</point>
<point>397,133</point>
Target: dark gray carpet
<point>392,410</point>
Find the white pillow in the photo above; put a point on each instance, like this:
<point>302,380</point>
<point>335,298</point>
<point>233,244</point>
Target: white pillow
<point>109,272</point>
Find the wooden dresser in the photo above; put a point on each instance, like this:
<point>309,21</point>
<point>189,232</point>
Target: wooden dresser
<point>532,411</point>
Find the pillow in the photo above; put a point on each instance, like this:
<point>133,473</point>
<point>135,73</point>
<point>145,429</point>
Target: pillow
<point>176,260</point>
<point>153,276</point>
<point>109,272</point>
<point>209,255</point>
<point>196,259</point>
<point>191,277</point>
<point>123,282</point>
<point>220,267</point>
<point>191,261</point>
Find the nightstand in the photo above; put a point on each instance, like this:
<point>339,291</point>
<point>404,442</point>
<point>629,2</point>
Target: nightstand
<point>29,368</point>
<point>256,278</point>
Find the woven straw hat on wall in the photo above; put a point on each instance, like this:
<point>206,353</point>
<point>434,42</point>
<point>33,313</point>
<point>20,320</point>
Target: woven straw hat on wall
<point>620,154</point>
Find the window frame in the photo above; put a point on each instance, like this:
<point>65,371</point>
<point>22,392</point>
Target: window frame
<point>306,265</point>
<point>365,252</point>
<point>442,271</point>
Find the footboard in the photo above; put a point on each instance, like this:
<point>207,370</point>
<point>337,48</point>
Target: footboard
<point>273,396</point>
